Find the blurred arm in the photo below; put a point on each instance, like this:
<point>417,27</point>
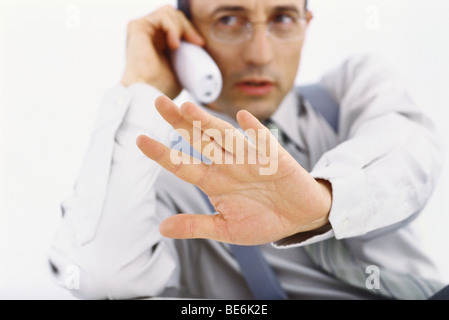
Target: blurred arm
<point>109,233</point>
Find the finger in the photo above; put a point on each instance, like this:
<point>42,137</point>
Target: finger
<point>176,27</point>
<point>178,163</point>
<point>184,29</point>
<point>232,140</point>
<point>190,33</point>
<point>195,226</point>
<point>247,121</point>
<point>266,140</point>
<point>172,114</point>
<point>208,141</point>
<point>173,31</point>
<point>165,19</point>
<point>169,111</point>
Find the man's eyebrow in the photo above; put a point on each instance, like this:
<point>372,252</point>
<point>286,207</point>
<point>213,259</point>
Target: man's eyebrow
<point>229,9</point>
<point>287,8</point>
<point>281,8</point>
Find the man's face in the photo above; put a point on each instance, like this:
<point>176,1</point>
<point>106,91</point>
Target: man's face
<point>260,71</point>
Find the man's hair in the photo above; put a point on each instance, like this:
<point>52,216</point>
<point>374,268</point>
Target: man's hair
<point>184,6</point>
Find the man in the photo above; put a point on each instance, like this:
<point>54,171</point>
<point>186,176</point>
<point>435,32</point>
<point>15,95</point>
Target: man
<point>341,204</point>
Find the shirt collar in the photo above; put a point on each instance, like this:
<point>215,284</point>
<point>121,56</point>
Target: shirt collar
<point>286,117</point>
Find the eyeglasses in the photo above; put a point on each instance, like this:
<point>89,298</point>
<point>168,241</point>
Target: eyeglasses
<point>234,29</point>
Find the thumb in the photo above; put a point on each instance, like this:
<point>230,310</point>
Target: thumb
<point>192,226</point>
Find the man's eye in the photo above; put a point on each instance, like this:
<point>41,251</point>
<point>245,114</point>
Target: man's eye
<point>284,19</point>
<point>229,21</point>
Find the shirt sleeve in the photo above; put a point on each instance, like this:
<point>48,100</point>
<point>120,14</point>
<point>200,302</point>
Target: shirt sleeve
<point>109,236</point>
<point>389,158</point>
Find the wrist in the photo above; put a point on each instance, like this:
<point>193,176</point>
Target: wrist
<point>321,224</point>
<point>170,87</point>
<point>326,189</point>
<point>128,81</point>
<point>325,205</point>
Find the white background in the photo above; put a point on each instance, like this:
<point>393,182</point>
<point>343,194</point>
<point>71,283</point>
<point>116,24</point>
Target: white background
<point>57,58</point>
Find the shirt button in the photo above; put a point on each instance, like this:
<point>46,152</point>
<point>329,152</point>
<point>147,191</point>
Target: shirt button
<point>345,224</point>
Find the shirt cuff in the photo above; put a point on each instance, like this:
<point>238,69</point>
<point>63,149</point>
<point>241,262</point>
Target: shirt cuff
<point>348,201</point>
<point>303,239</point>
<point>345,220</point>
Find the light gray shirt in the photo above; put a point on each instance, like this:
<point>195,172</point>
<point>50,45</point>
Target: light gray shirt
<point>383,165</point>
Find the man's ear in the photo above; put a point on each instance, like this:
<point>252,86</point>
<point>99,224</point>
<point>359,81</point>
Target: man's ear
<point>309,16</point>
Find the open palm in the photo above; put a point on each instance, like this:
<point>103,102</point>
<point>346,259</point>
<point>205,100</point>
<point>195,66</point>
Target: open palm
<point>261,194</point>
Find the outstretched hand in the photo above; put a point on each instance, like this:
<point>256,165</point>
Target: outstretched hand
<point>261,194</point>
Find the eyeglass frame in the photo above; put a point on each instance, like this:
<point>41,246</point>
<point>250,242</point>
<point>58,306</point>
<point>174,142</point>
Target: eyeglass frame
<point>249,27</point>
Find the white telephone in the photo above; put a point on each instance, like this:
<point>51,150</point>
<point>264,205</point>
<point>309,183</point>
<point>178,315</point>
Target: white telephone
<point>197,72</point>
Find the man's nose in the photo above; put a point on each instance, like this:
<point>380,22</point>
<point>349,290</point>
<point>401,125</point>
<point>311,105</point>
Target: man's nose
<point>259,50</point>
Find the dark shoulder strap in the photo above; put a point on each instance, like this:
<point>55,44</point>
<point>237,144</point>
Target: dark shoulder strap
<point>321,100</point>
